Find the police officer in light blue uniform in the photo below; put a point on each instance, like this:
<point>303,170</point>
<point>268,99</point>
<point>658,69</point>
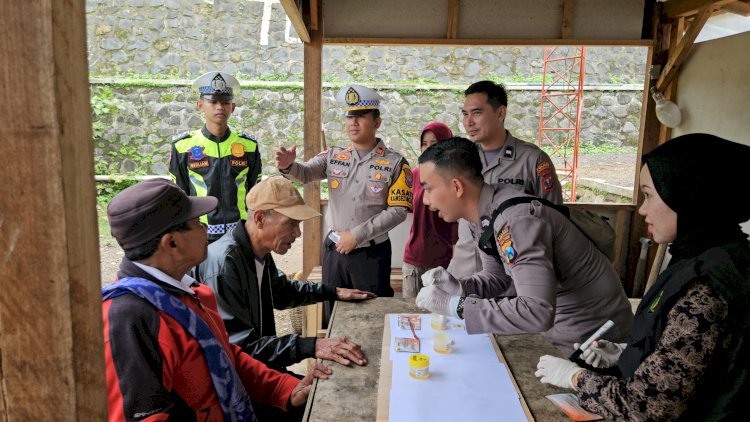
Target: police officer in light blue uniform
<point>213,160</point>
<point>370,189</point>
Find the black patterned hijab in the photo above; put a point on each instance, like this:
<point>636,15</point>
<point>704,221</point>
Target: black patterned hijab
<point>702,178</point>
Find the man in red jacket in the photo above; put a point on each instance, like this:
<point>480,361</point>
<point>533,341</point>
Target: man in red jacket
<point>167,352</point>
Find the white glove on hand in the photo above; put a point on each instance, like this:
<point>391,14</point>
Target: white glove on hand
<point>556,371</point>
<point>434,300</point>
<point>441,278</point>
<point>602,353</point>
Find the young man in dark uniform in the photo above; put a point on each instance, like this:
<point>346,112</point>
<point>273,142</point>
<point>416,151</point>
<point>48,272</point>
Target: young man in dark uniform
<point>213,160</point>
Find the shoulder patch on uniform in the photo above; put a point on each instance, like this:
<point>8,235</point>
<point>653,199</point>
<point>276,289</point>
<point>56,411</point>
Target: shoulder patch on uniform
<point>400,192</point>
<point>182,135</point>
<point>545,171</point>
<point>506,245</point>
<point>249,136</point>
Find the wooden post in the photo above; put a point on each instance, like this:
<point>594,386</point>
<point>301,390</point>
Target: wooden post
<point>311,240</point>
<point>649,139</point>
<point>51,345</point>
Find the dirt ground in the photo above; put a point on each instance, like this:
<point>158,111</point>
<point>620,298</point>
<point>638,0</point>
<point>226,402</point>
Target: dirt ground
<point>616,169</point>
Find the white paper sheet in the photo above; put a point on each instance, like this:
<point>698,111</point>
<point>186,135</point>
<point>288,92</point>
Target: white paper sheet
<point>468,384</point>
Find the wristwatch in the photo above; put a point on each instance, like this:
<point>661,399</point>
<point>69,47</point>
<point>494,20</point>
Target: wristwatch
<point>460,307</point>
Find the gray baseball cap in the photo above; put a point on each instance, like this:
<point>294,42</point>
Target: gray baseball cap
<point>147,209</point>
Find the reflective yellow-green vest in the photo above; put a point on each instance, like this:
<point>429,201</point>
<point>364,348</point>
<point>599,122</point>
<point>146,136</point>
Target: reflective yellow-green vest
<point>225,168</point>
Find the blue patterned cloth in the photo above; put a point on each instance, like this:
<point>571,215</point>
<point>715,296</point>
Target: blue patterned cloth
<point>229,388</point>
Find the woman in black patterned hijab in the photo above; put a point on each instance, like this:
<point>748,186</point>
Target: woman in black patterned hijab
<point>687,355</point>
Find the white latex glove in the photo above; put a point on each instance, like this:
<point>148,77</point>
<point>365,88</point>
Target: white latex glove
<point>435,300</point>
<point>602,353</point>
<point>556,371</point>
<point>441,278</point>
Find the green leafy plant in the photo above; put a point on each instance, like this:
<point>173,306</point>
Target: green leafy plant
<point>105,191</point>
<point>103,104</point>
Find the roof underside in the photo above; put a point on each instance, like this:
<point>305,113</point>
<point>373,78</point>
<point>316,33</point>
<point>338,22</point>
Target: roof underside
<point>503,22</point>
<point>483,19</point>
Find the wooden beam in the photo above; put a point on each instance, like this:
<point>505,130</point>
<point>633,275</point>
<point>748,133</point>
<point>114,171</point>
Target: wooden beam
<point>452,19</point>
<point>313,88</point>
<point>485,41</point>
<point>566,27</point>
<point>294,11</point>
<point>679,53</point>
<point>51,347</point>
<point>674,8</point>
<point>741,8</point>
<point>314,20</point>
<point>648,140</point>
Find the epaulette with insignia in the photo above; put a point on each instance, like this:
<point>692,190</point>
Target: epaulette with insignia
<point>183,135</point>
<point>248,136</point>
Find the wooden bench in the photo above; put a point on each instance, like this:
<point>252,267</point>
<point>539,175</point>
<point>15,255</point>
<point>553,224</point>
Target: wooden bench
<point>314,313</point>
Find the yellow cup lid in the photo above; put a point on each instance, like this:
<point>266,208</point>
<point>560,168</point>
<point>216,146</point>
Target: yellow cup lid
<point>419,360</point>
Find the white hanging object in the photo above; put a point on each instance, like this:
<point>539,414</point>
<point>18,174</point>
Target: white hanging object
<point>666,111</point>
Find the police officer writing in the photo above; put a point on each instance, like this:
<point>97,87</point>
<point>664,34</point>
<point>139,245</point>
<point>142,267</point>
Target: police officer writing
<point>566,288</point>
<point>505,159</point>
<point>213,160</point>
<point>370,192</point>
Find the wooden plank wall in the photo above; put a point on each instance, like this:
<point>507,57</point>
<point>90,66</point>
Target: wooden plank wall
<point>50,311</point>
<point>311,236</point>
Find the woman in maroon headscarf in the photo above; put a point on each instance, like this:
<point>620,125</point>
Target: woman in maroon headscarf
<point>431,239</point>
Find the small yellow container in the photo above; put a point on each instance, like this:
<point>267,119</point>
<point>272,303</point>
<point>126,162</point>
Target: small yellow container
<point>419,366</point>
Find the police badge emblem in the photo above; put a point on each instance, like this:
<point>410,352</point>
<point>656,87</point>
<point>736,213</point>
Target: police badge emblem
<point>196,153</point>
<point>238,150</point>
<point>352,96</point>
<point>218,83</point>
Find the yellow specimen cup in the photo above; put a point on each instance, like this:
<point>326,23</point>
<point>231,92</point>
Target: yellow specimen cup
<point>419,366</point>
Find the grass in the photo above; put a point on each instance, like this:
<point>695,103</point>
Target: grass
<point>105,236</point>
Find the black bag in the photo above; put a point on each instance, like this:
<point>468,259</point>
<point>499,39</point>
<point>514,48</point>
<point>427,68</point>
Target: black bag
<point>592,225</point>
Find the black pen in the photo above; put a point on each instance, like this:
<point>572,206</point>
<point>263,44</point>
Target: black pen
<point>596,336</point>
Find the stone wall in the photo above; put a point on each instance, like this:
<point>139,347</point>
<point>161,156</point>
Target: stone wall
<point>135,139</point>
<point>144,53</point>
<point>254,40</point>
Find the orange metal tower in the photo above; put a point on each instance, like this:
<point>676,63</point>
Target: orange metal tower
<point>560,111</point>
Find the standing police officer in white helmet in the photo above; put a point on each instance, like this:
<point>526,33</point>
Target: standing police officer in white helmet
<point>369,188</point>
<point>213,160</point>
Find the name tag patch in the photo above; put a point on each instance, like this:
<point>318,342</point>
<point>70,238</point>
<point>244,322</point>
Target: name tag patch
<point>198,164</point>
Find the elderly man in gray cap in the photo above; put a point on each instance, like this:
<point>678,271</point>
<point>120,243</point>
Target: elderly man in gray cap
<point>166,348</point>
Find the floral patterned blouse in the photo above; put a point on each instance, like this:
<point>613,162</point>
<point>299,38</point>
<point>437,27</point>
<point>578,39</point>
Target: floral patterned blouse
<point>665,381</point>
